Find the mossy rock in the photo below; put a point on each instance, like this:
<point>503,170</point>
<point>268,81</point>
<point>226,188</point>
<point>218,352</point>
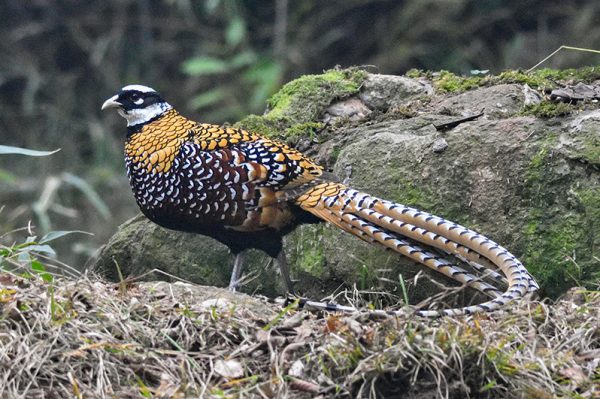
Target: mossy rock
<point>530,182</point>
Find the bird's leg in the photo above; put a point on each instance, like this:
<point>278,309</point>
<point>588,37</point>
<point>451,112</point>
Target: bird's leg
<point>285,271</point>
<point>236,273</point>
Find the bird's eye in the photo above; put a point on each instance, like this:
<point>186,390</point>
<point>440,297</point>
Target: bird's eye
<point>137,98</point>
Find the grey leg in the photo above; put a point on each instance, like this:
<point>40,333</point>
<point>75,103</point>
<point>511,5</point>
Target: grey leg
<point>236,273</point>
<point>285,271</point>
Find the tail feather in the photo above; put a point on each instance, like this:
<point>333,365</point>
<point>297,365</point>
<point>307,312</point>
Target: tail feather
<point>369,233</point>
<point>487,271</point>
<point>424,236</point>
<point>510,266</point>
<point>400,228</point>
<point>418,254</point>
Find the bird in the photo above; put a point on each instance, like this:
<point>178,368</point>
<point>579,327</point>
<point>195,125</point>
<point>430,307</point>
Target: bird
<point>249,191</point>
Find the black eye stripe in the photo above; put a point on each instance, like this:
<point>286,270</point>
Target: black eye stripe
<point>134,99</point>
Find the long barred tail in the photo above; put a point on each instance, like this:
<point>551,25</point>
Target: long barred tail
<point>403,230</point>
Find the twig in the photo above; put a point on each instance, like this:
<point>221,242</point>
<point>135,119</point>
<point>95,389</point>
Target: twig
<point>557,50</point>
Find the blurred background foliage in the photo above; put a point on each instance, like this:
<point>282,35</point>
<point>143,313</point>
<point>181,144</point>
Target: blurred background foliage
<point>218,60</point>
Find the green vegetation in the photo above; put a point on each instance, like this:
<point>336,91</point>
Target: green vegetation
<point>304,99</point>
<point>591,148</point>
<point>545,78</point>
<point>308,254</point>
<point>448,82</point>
<point>32,255</point>
<point>295,109</point>
<point>548,78</point>
<point>411,193</point>
<point>562,249</point>
<point>548,109</point>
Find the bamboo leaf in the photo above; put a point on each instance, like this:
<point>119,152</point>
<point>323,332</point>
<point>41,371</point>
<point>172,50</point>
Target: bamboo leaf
<point>6,149</point>
<point>46,249</point>
<point>53,235</point>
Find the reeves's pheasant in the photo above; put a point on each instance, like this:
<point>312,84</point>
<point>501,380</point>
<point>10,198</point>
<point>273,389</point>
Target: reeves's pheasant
<point>248,191</point>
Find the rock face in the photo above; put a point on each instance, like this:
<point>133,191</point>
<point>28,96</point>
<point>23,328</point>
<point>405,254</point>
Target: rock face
<point>531,184</point>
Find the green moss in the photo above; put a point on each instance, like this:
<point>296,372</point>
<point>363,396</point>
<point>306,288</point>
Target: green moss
<point>547,109</point>
<point>412,194</point>
<point>551,243</point>
<point>307,129</point>
<point>335,153</point>
<point>534,79</point>
<point>262,125</point>
<point>294,110</point>
<point>303,99</point>
<point>449,82</point>
<point>312,260</point>
<point>308,255</point>
<point>560,248</point>
<point>452,206</point>
<point>417,73</point>
<point>538,159</point>
<point>591,148</point>
<point>546,77</point>
<point>563,250</point>
<point>588,265</point>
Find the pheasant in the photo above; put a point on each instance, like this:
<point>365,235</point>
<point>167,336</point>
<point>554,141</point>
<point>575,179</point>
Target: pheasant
<point>249,191</point>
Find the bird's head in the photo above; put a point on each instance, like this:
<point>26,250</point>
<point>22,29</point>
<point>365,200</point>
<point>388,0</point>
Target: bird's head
<point>137,104</point>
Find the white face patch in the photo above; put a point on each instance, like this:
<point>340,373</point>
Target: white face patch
<point>143,115</point>
<point>140,88</point>
<point>139,101</point>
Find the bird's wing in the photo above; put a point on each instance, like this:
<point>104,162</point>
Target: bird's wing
<point>273,164</point>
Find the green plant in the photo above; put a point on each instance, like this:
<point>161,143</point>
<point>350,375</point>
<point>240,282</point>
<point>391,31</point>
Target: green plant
<point>33,255</point>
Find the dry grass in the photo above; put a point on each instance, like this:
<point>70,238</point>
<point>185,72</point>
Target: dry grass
<point>87,338</point>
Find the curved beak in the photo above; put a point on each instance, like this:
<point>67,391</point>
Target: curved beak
<point>111,103</point>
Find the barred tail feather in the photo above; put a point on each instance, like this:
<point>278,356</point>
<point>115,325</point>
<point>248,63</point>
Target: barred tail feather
<point>372,235</point>
<point>401,228</point>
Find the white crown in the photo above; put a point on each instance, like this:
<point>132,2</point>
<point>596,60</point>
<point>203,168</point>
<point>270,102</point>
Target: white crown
<point>143,89</point>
